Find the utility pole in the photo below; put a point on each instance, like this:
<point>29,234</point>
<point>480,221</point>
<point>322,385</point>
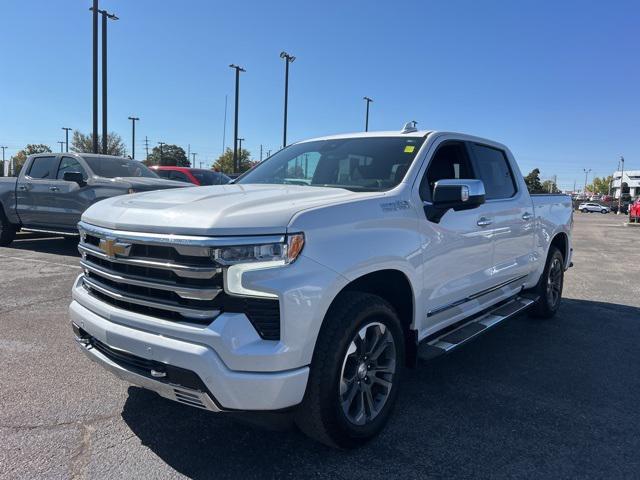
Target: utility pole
<point>268,153</point>
<point>133,136</point>
<point>586,175</point>
<point>66,137</point>
<point>366,120</point>
<point>61,146</point>
<point>194,159</point>
<point>287,60</point>
<point>5,169</point>
<point>260,152</point>
<point>189,151</point>
<point>95,75</point>
<point>146,146</point>
<point>574,186</point>
<point>236,163</point>
<point>621,181</point>
<point>105,16</point>
<point>161,144</point>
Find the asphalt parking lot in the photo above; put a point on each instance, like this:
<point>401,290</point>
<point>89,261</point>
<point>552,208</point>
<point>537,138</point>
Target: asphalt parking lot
<point>530,399</point>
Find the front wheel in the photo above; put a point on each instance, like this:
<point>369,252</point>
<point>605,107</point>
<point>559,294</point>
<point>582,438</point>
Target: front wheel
<point>549,288</point>
<point>584,210</point>
<point>355,372</point>
<point>604,211</point>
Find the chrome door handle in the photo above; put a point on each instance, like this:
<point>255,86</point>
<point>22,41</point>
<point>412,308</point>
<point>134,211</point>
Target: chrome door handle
<point>527,216</point>
<point>54,189</point>
<point>22,188</point>
<point>484,221</point>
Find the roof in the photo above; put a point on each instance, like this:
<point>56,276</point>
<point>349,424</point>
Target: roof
<point>390,133</point>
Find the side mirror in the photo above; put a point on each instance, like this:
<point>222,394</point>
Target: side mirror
<point>456,194</point>
<point>74,177</point>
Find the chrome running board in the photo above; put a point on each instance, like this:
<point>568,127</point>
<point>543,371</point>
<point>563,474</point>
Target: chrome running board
<point>452,339</point>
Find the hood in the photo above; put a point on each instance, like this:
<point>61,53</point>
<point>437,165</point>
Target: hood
<point>215,210</point>
<point>148,183</point>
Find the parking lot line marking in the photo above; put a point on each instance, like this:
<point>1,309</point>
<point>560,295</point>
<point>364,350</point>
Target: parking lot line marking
<point>40,261</point>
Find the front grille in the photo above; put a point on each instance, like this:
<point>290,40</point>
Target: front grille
<point>167,280</point>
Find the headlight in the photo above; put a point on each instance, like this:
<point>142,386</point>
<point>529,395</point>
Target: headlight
<point>241,259</point>
<point>283,253</point>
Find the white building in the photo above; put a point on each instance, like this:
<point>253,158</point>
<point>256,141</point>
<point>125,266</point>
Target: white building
<point>631,178</point>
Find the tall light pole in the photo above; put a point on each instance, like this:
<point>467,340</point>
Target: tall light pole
<point>105,16</point>
<point>94,21</point>
<point>133,136</point>
<point>240,140</point>
<point>61,146</point>
<point>586,175</point>
<point>193,154</point>
<point>621,180</point>
<point>236,163</point>
<point>287,60</point>
<point>366,118</point>
<point>66,137</point>
<point>161,144</point>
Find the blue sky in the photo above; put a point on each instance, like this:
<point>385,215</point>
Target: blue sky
<point>557,81</point>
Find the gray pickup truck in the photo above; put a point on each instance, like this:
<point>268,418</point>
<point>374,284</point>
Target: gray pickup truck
<point>53,190</point>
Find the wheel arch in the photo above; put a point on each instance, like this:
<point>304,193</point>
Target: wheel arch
<point>394,287</point>
<point>561,242</point>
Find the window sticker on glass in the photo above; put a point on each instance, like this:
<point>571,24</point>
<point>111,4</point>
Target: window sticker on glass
<point>409,148</point>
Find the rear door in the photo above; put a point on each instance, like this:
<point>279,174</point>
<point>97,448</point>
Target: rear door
<point>457,251</point>
<point>35,203</point>
<point>510,212</point>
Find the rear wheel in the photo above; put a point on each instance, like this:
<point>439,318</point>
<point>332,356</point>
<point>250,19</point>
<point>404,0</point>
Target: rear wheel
<point>355,372</point>
<point>603,211</point>
<point>584,210</point>
<point>7,230</point>
<point>549,288</point>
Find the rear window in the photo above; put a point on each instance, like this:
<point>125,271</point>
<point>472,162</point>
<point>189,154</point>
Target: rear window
<point>206,177</point>
<point>494,171</point>
<point>41,167</point>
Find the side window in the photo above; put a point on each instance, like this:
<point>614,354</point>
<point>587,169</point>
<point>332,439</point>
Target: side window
<point>494,171</point>
<point>179,176</point>
<point>163,173</point>
<point>41,167</point>
<point>450,161</point>
<point>69,164</point>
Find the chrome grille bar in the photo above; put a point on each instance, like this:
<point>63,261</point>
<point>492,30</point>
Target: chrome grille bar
<point>145,302</point>
<point>184,292</point>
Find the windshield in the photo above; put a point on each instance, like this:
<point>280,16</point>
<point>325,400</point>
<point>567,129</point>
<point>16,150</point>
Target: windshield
<point>112,167</point>
<point>366,164</point>
<point>206,177</point>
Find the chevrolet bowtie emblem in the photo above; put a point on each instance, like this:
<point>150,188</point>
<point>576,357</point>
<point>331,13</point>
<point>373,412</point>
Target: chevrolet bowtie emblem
<point>113,248</point>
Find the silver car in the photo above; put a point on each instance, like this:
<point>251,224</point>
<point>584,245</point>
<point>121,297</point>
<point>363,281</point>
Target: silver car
<point>592,207</point>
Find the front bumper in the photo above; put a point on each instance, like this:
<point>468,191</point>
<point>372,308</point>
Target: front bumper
<point>224,389</point>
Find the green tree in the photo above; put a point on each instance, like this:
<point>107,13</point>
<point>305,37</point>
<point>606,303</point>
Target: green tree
<point>549,186</point>
<point>82,143</point>
<point>19,158</point>
<point>224,163</point>
<point>172,155</point>
<point>600,185</point>
<point>533,181</point>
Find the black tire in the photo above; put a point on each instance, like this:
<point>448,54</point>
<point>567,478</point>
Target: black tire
<point>321,414</point>
<point>603,211</point>
<point>584,210</point>
<point>549,288</point>
<point>7,230</point>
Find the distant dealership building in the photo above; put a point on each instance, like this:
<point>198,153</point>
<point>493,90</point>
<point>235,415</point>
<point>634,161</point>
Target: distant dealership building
<point>631,178</point>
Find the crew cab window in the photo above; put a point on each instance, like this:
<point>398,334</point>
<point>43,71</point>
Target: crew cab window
<point>41,167</point>
<point>69,164</point>
<point>494,171</point>
<point>163,173</point>
<point>450,161</point>
<point>179,176</point>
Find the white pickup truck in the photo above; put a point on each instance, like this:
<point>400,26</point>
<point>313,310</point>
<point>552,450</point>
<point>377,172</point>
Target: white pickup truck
<point>310,283</point>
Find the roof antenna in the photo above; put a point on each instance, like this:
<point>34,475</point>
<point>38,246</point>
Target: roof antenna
<point>410,127</point>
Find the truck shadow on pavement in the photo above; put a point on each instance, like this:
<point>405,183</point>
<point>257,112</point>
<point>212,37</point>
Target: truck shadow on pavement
<point>532,398</point>
<point>46,244</point>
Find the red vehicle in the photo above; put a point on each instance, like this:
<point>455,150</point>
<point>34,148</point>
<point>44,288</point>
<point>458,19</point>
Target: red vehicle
<point>634,211</point>
<point>197,176</point>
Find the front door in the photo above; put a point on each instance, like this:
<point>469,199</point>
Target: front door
<point>457,251</point>
<point>70,199</point>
